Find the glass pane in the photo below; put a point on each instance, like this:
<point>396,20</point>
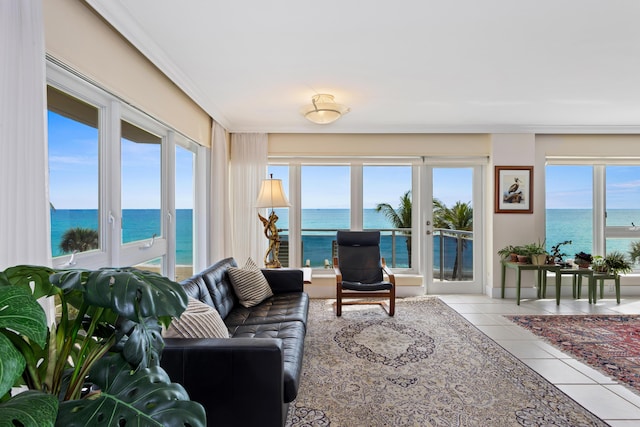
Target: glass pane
<point>73,174</point>
<point>453,224</point>
<point>326,202</point>
<point>184,213</point>
<point>282,172</point>
<point>154,265</point>
<point>569,199</point>
<point>386,192</point>
<point>623,195</point>
<point>141,183</point>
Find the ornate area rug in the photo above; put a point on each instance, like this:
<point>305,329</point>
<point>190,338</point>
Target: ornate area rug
<point>427,366</point>
<point>611,344</point>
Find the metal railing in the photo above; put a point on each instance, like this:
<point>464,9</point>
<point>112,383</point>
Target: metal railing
<point>462,240</point>
<point>448,265</point>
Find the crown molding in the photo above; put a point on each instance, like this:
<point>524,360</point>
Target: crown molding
<point>118,16</point>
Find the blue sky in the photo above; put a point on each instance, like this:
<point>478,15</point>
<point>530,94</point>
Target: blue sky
<point>74,166</point>
<point>73,153</point>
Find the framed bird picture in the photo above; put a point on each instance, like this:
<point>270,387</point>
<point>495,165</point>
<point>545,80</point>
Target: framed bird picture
<point>514,189</point>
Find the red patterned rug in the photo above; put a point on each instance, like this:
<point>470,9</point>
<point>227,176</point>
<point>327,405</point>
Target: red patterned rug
<point>608,343</point>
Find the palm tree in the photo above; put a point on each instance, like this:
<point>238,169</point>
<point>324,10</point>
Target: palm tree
<point>458,217</point>
<point>400,218</point>
<point>79,239</point>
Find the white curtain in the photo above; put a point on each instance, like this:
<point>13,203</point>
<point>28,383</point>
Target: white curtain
<point>219,210</point>
<point>24,216</point>
<point>248,169</point>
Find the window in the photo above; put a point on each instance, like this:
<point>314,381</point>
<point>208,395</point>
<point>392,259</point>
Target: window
<point>325,208</point>
<point>184,197</point>
<point>73,174</point>
<point>113,182</point>
<point>141,161</point>
<point>597,207</point>
<point>390,188</point>
<point>569,200</point>
<point>340,196</point>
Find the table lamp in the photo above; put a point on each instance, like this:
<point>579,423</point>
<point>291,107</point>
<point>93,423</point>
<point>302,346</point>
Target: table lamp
<point>271,196</point>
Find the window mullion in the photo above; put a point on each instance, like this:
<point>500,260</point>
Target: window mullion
<point>356,196</point>
<point>599,209</point>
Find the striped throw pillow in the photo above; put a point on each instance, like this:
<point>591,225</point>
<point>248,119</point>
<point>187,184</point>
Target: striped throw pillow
<point>250,284</point>
<point>199,320</point>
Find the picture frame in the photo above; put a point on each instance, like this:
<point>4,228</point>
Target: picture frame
<point>514,189</point>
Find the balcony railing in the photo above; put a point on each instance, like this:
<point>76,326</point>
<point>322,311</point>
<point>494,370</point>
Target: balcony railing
<point>452,258</point>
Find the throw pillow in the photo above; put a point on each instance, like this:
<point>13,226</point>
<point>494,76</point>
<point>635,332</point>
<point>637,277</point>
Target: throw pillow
<point>199,320</point>
<point>250,284</point>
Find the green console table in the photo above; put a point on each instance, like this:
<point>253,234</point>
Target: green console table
<point>541,271</point>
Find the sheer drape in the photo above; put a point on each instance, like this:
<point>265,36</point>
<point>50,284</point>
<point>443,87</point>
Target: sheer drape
<point>219,209</point>
<point>248,169</point>
<point>24,220</point>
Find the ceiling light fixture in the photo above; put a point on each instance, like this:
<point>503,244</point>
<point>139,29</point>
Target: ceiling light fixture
<point>323,109</point>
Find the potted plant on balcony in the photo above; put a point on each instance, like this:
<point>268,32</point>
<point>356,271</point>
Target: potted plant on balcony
<point>583,259</point>
<point>98,364</point>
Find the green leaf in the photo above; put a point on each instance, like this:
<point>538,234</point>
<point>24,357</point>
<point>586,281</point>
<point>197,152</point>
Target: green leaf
<point>141,343</point>
<point>145,397</point>
<point>29,409</point>
<point>20,312</point>
<point>25,275</point>
<point>133,293</point>
<point>12,364</point>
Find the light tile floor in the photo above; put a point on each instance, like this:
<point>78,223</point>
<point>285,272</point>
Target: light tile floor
<point>603,396</point>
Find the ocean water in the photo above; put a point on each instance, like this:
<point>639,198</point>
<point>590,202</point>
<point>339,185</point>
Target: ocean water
<point>141,224</point>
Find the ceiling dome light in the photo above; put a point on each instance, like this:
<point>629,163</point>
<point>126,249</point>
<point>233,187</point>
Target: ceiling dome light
<point>323,109</point>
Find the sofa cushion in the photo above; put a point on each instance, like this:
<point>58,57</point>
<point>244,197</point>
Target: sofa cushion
<point>292,336</point>
<point>199,320</point>
<point>279,308</point>
<point>250,284</point>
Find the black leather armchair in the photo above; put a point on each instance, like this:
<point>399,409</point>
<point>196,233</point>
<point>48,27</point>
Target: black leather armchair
<point>360,271</point>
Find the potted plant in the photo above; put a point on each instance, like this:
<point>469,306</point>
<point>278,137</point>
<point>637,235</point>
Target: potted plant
<point>537,252</point>
<point>98,364</point>
<point>634,251</point>
<point>617,263</point>
<point>509,253</point>
<point>557,254</point>
<point>583,259</point>
<point>598,264</point>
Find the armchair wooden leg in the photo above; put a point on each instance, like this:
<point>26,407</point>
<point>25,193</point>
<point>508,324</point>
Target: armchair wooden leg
<point>338,300</point>
<point>392,302</point>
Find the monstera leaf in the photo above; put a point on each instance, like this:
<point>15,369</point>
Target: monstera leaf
<point>129,292</point>
<point>28,275</point>
<point>143,397</point>
<point>29,409</point>
<point>20,314</point>
<point>141,344</point>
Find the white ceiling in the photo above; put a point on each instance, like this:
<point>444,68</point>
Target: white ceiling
<point>401,66</point>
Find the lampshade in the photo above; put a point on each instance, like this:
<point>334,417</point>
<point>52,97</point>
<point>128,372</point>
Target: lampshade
<point>323,109</point>
<point>272,195</point>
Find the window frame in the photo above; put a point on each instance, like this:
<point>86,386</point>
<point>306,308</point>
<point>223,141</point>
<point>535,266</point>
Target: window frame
<point>356,164</point>
<point>111,111</point>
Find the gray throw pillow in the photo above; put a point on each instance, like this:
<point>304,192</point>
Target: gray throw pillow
<point>199,320</point>
<point>250,284</point>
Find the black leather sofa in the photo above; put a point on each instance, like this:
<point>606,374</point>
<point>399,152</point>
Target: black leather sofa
<point>250,378</point>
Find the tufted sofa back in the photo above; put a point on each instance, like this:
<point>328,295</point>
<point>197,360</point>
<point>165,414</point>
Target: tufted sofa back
<point>212,286</point>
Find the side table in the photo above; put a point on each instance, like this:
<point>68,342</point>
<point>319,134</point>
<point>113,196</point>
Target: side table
<point>541,271</point>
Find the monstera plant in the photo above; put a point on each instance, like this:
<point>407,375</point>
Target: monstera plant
<point>98,363</point>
